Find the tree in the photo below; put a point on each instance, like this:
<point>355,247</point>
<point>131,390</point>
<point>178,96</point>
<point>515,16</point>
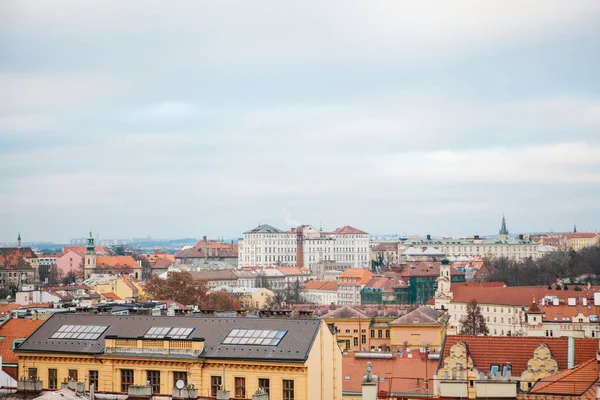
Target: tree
<point>179,286</point>
<point>221,300</point>
<point>565,287</point>
<point>69,278</point>
<point>261,281</point>
<point>473,323</point>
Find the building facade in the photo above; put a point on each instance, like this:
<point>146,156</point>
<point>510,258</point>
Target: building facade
<point>303,246</point>
<point>290,359</point>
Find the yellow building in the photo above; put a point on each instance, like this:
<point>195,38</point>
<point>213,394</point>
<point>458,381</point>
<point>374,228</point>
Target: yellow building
<point>290,358</point>
<point>125,287</point>
<point>419,328</point>
<point>253,298</point>
<point>578,241</point>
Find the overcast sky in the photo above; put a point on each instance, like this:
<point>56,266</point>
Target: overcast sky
<point>192,118</point>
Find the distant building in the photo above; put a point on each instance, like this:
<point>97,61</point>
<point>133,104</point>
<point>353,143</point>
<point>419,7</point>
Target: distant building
<point>320,292</point>
<point>579,240</point>
<point>303,246</point>
<point>206,251</point>
<point>18,265</point>
<point>101,264</point>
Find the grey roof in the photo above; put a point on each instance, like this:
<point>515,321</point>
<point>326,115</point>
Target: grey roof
<point>295,345</point>
<point>422,315</point>
<point>264,228</point>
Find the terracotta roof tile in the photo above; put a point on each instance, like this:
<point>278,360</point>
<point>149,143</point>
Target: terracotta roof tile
<point>406,374</point>
<point>488,350</point>
<point>581,235</point>
<point>572,382</point>
<point>15,329</point>
<point>321,285</point>
<point>519,296</point>
<point>349,230</point>
<point>120,262</point>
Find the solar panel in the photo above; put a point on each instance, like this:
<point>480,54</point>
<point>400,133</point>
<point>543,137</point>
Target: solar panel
<point>256,337</point>
<point>82,332</point>
<point>160,332</point>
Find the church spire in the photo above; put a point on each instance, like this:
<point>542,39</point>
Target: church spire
<point>574,228</point>
<point>91,248</point>
<point>503,230</point>
<point>19,240</point>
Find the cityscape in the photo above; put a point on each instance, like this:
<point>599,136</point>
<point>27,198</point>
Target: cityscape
<point>316,200</point>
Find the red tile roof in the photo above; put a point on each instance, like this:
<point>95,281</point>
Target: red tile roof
<point>119,262</point>
<point>82,249</point>
<point>359,276</point>
<point>515,296</point>
<point>15,329</point>
<point>488,350</point>
<point>479,284</point>
<point>110,296</point>
<point>349,230</point>
<point>582,235</point>
<point>563,310</point>
<point>5,309</point>
<point>386,247</point>
<point>425,268</point>
<point>406,374</point>
<point>12,258</point>
<point>216,249</point>
<point>573,382</point>
<point>321,285</point>
<point>162,263</point>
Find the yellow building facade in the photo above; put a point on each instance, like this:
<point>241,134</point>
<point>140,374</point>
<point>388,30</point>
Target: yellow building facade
<point>301,361</point>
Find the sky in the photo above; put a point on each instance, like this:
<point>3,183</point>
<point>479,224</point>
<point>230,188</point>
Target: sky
<point>191,118</point>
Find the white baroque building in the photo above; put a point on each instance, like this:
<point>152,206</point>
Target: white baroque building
<point>303,246</point>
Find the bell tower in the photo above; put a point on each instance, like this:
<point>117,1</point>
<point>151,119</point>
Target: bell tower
<point>443,294</point>
<point>90,258</point>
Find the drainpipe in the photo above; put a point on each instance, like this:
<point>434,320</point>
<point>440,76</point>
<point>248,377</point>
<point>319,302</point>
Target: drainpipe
<point>571,359</point>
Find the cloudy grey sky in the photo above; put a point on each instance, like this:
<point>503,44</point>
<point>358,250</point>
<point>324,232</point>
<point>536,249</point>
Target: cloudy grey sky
<point>191,118</point>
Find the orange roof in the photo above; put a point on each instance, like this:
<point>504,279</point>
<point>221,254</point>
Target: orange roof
<point>582,235</point>
<point>349,230</point>
<point>357,275</point>
<point>16,328</point>
<point>479,284</point>
<point>82,249</point>
<point>116,262</point>
<point>154,257</point>
<point>111,296</point>
<point>5,309</point>
<point>409,372</point>
<point>518,350</point>
<point>292,270</point>
<point>573,382</point>
<point>320,285</point>
<point>557,313</point>
<point>515,296</point>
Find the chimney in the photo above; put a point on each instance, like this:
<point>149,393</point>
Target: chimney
<point>369,384</point>
<point>521,237</point>
<point>571,357</point>
<point>299,248</point>
<point>476,237</point>
<point>223,394</point>
<point>428,237</point>
<point>260,394</point>
<point>205,249</point>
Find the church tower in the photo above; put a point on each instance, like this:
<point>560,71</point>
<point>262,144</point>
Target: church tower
<point>443,294</point>
<point>503,229</point>
<point>90,257</point>
<point>19,241</point>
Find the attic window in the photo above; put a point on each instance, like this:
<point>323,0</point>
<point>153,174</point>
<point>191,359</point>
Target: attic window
<point>84,332</point>
<point>160,332</point>
<point>254,337</point>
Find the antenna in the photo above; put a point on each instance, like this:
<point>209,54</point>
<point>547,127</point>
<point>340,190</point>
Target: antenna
<point>180,384</point>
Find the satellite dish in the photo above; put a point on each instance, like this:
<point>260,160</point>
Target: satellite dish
<point>179,384</point>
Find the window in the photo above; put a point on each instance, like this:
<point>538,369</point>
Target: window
<point>153,377</point>
<point>215,384</point>
<point>355,341</point>
<point>32,372</point>
<point>387,334</point>
<point>52,378</point>
<point>254,337</point>
<point>179,376</point>
<point>347,342</point>
<point>93,377</point>
<point>379,333</point>
<point>494,369</point>
<point>347,330</point>
<point>240,388</point>
<point>85,332</point>
<point>363,338</point>
<point>288,389</point>
<point>126,379</point>
<point>73,375</point>
<point>265,384</point>
<point>160,332</point>
<point>372,333</point>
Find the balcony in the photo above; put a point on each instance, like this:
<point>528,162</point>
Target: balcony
<point>168,347</point>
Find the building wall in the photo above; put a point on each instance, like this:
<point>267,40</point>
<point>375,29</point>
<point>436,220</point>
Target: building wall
<point>417,335</point>
<point>70,261</point>
<point>501,320</point>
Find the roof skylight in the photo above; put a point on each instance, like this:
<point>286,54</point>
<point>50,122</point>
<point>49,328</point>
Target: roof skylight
<point>83,332</point>
<point>256,337</point>
<point>160,332</point>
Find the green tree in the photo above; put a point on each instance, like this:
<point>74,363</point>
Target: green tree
<point>473,323</point>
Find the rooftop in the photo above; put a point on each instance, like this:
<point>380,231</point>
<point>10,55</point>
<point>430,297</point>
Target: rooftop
<point>15,328</point>
<point>578,381</point>
<point>264,228</point>
<point>422,315</point>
